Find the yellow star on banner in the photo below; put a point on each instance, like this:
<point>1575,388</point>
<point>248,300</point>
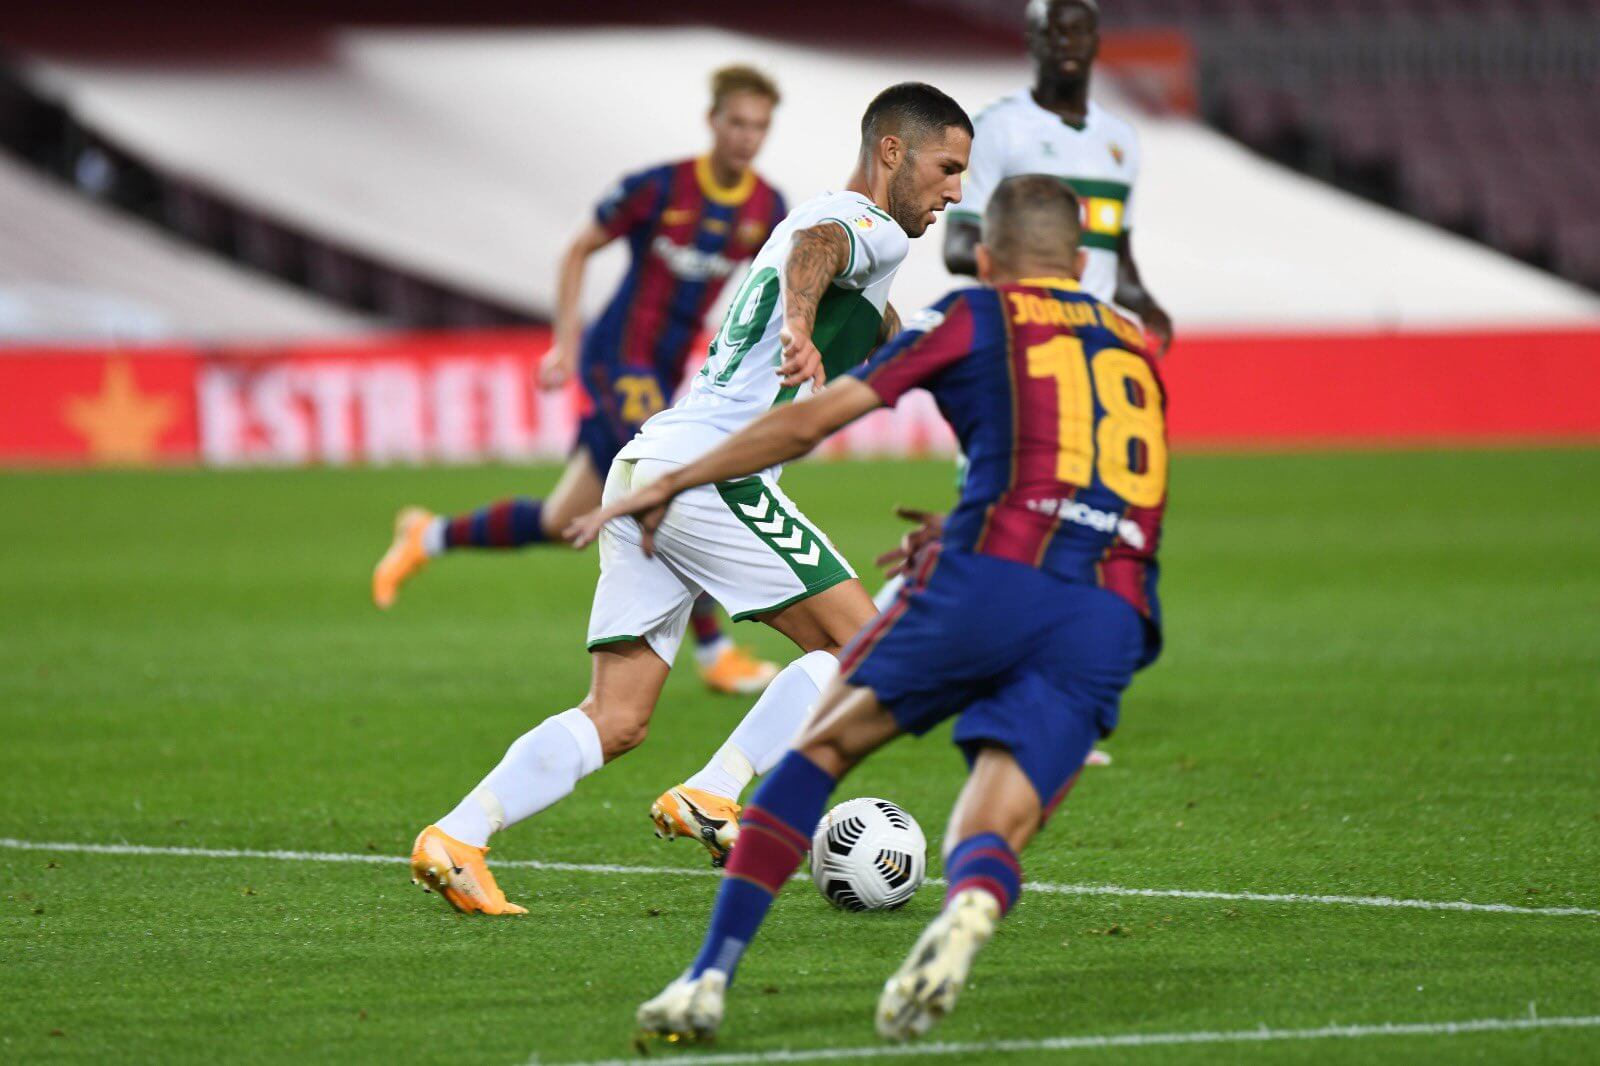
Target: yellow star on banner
<point>121,424</point>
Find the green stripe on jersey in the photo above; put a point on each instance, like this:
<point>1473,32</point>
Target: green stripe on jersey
<point>845,332</point>
<point>1103,241</point>
<point>1111,190</point>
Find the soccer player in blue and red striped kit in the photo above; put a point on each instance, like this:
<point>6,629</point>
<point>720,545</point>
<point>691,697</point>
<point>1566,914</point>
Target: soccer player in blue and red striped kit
<point>688,224</point>
<point>1024,617</point>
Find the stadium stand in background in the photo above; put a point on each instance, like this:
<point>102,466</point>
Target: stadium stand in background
<point>417,177</point>
<point>74,271</point>
<point>1476,115</point>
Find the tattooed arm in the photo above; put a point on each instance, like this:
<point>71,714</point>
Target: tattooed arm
<point>816,256</point>
<point>891,323</point>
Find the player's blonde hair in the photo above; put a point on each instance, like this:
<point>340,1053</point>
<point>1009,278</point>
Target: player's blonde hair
<point>741,78</point>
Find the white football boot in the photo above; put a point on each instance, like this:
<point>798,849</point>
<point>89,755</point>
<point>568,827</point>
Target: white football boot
<point>925,987</point>
<point>689,1009</point>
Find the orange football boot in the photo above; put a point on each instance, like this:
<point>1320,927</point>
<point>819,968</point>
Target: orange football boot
<point>457,871</point>
<point>738,673</point>
<point>405,556</point>
<point>699,815</point>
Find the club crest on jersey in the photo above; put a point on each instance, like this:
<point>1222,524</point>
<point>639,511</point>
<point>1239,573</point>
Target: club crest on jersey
<point>1116,152</point>
<point>864,223</point>
<point>752,232</point>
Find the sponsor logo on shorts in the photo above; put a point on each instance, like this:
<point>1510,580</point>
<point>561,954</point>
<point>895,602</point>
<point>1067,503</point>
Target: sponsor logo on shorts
<point>1080,513</point>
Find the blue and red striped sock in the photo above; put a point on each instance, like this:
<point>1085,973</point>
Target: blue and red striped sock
<point>514,523</point>
<point>703,617</point>
<point>986,862</point>
<point>774,836</point>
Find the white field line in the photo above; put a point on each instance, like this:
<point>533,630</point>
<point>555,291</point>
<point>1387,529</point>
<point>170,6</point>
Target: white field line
<point>1122,1040</point>
<point>1047,887</point>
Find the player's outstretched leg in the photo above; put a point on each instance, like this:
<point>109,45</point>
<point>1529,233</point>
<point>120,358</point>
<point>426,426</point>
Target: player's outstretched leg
<point>998,812</point>
<point>775,837</point>
<point>774,840</point>
<point>420,535</point>
<point>724,666</point>
<point>705,807</point>
<point>540,768</point>
<point>520,522</point>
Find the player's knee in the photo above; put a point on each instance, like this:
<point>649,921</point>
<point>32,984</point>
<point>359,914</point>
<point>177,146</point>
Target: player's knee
<point>621,728</point>
<point>832,749</point>
<point>625,737</point>
<point>833,758</point>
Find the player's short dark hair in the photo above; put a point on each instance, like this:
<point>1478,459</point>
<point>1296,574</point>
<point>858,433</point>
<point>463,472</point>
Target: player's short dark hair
<point>740,78</point>
<point>1032,218</point>
<point>912,111</point>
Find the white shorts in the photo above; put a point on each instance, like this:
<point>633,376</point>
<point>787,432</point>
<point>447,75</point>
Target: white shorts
<point>743,542</point>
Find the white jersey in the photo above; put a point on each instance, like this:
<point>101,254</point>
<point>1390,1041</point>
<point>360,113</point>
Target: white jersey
<point>1100,161</point>
<point>739,381</point>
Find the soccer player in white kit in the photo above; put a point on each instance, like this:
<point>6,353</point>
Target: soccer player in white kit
<point>814,304</point>
<point>1052,127</point>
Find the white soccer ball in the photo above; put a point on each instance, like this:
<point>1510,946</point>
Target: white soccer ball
<point>868,855</point>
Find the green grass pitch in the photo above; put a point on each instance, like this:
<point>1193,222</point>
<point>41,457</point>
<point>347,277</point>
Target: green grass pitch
<point>1382,679</point>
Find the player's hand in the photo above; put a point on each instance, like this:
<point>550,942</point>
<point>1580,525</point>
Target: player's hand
<point>801,360</point>
<point>929,528</point>
<point>556,368</point>
<point>1158,324</point>
<point>648,505</point>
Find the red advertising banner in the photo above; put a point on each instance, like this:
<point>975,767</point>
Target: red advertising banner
<point>473,397</point>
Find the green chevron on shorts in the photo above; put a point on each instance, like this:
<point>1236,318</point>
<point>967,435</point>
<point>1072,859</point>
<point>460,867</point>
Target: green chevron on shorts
<point>794,541</point>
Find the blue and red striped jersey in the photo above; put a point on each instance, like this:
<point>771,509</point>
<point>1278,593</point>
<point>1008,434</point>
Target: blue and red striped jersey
<point>686,235</point>
<point>1062,417</point>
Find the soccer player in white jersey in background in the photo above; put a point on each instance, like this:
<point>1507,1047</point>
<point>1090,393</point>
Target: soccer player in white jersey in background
<point>1054,128</point>
<point>815,303</point>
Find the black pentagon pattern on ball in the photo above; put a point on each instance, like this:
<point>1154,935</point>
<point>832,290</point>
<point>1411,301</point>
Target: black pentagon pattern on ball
<point>842,895</point>
<point>894,866</point>
<point>844,834</point>
<point>896,816</point>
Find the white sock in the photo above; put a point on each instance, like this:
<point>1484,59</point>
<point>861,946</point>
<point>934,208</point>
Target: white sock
<point>705,655</point>
<point>433,536</point>
<point>759,741</point>
<point>540,767</point>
